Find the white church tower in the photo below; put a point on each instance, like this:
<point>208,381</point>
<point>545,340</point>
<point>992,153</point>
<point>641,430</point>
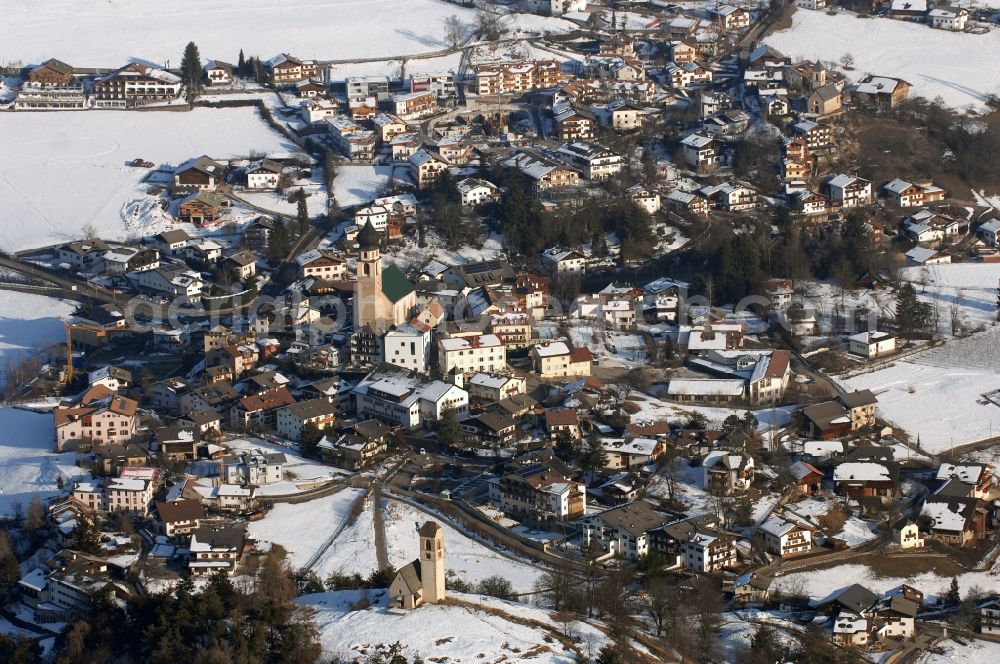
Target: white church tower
<point>432,562</point>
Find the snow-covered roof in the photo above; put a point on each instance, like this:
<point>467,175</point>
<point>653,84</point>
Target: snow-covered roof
<point>968,473</point>
<point>705,387</point>
<point>866,471</point>
<point>950,515</point>
<point>777,526</point>
<point>552,349</point>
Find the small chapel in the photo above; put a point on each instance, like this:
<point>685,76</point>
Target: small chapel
<point>421,581</point>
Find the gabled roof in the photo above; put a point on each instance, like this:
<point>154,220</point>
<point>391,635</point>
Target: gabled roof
<point>395,286</point>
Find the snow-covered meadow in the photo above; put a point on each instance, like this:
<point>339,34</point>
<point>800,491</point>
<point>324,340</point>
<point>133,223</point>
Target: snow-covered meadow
<point>83,158</point>
<point>303,528</point>
<point>900,49</point>
<point>77,31</point>
<point>446,633</point>
<point>818,584</point>
<point>466,558</point>
<point>938,394</point>
<point>29,322</point>
<point>28,467</point>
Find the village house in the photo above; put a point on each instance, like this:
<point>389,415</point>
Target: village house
<point>555,359</point>
<point>218,73</point>
<point>198,174</point>
<point>359,446</point>
<point>253,467</point>
<point>563,261</point>
<point>407,399</point>
<point>310,89</point>
<point>544,173</point>
<point>975,479</point>
<point>850,191</point>
<point>540,493</point>
<point>880,92</point>
<point>632,453</point>
<point>562,420</point>
<point>180,516</point>
<point>323,264</point>
<point>871,345</point>
<point>699,152</point>
<point>216,548</point>
<point>66,586</point>
<point>944,17</point>
<point>573,122</point>
<point>593,161</point>
<point>623,531</point>
<point>818,136</point>
<point>414,105</point>
<point>727,472</point>
<point>508,78</point>
<point>99,416</point>
<point>284,69</point>
<point>476,192</point>
<point>955,520</point>
<point>292,419</point>
<point>263,174</point>
<point>904,194</point>
<point>471,354</point>
<point>782,537</point>
<point>867,479</point>
<point>492,429</point>
<point>493,387</point>
<point>408,346</point>
<point>425,167</point>
<point>906,534</point>
<point>134,85</point>
<point>258,412</point>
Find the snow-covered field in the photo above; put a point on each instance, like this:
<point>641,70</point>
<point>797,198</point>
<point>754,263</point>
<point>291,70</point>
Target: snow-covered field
<point>899,48</point>
<point>464,557</point>
<point>29,322</point>
<point>318,29</point>
<point>353,552</point>
<point>937,394</point>
<point>83,157</point>
<point>362,184</point>
<point>822,583</point>
<point>303,528</point>
<point>973,652</point>
<point>445,633</point>
<point>28,468</point>
<point>971,287</point>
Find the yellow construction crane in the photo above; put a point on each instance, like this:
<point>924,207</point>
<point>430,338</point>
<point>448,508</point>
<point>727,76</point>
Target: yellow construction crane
<point>100,332</point>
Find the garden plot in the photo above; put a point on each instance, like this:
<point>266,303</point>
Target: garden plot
<point>466,558</point>
<point>87,154</point>
<point>303,528</point>
<point>28,468</point>
<point>938,394</point>
<point>898,49</point>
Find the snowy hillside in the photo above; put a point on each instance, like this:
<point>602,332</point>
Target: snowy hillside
<point>29,322</point>
<point>899,49</point>
<point>28,468</point>
<point>84,156</point>
<point>478,630</point>
<point>320,29</point>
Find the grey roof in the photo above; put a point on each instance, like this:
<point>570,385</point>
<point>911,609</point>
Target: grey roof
<point>858,398</point>
<point>855,598</point>
<point>312,408</point>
